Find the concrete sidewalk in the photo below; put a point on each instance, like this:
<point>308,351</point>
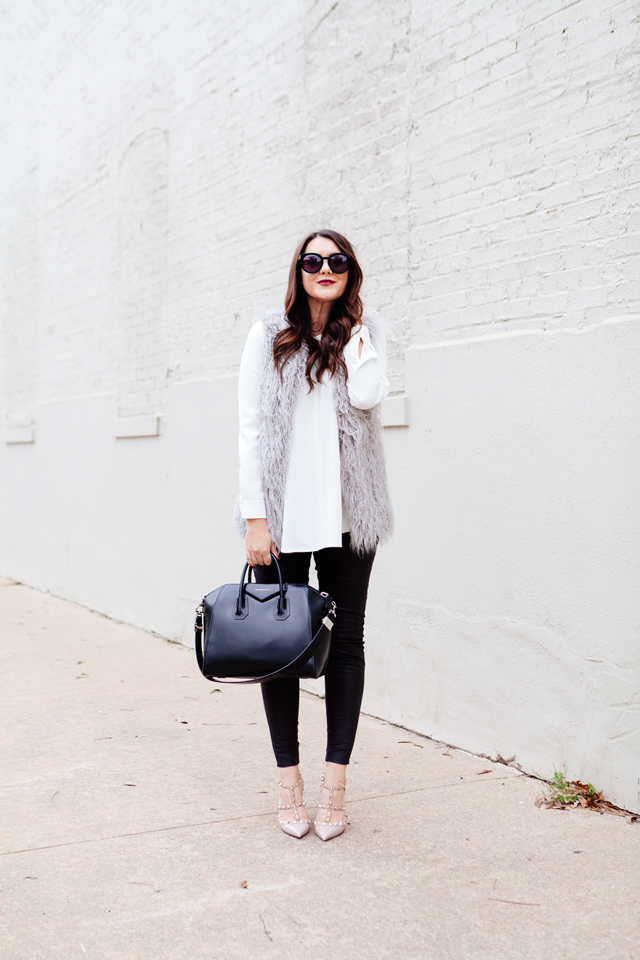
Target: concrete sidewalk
<point>139,822</point>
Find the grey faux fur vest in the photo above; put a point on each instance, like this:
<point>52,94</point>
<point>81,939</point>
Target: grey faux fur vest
<point>362,465</point>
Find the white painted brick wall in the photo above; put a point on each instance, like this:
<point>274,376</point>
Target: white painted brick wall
<point>265,136</point>
<point>164,160</point>
<point>522,165</point>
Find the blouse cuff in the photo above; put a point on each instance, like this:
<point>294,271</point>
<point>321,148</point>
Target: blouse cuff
<point>253,509</point>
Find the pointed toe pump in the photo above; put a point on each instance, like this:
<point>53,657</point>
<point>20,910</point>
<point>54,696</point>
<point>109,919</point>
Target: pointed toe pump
<point>294,828</point>
<point>325,829</point>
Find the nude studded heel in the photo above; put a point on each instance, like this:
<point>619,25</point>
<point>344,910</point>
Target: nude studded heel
<point>328,830</point>
<point>294,828</point>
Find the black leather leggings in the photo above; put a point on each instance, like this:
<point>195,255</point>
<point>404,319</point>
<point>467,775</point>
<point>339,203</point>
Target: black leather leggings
<point>345,576</point>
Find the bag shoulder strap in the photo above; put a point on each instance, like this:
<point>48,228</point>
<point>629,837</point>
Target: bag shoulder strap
<point>326,623</point>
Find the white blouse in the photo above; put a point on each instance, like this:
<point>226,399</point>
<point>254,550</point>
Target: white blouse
<point>314,511</point>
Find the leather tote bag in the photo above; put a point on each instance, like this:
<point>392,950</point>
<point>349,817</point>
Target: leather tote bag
<point>254,632</point>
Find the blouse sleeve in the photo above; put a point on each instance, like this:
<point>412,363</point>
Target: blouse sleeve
<point>367,381</point>
<point>252,503</point>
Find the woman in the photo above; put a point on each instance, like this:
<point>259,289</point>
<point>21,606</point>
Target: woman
<point>313,481</point>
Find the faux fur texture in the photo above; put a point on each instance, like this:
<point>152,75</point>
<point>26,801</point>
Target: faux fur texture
<point>362,463</point>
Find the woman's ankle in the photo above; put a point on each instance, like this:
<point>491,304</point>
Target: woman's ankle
<point>335,775</point>
<point>288,776</point>
<point>292,807</point>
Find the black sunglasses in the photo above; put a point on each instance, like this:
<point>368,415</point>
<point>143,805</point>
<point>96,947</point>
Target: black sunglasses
<point>312,262</point>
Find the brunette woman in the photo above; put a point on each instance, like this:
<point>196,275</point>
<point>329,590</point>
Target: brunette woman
<point>313,482</point>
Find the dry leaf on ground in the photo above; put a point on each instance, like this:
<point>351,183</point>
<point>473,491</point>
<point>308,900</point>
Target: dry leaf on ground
<point>563,794</point>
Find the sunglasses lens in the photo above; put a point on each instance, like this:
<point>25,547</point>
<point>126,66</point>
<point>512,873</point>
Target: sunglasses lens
<point>339,262</point>
<point>311,263</point>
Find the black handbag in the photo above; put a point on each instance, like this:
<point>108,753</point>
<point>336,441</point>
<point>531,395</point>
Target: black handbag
<point>263,631</point>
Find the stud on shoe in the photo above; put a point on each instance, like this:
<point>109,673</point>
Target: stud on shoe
<point>327,830</point>
<point>294,828</point>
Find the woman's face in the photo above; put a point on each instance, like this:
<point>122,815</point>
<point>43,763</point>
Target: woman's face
<point>325,285</point>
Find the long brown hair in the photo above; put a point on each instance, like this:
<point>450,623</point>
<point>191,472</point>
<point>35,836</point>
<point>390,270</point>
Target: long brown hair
<point>346,312</point>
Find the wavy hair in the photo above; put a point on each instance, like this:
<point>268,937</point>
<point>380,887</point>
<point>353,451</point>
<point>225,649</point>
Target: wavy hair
<point>346,312</point>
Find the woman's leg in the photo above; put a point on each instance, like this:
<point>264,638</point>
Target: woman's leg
<point>281,697</point>
<point>345,576</point>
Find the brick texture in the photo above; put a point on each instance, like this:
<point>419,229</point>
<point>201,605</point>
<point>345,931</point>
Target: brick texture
<point>162,160</point>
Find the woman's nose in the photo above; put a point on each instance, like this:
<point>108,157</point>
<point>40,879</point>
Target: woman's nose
<point>325,268</point>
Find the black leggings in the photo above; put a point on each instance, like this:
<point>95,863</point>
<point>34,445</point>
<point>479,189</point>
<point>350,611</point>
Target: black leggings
<point>345,576</point>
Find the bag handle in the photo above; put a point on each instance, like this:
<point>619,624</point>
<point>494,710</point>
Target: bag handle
<point>326,623</point>
<point>243,586</point>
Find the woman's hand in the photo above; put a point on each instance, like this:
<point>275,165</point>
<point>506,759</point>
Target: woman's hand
<point>258,545</point>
